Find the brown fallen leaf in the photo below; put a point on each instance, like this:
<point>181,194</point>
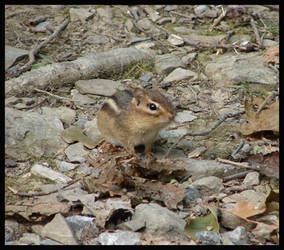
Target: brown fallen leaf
<point>246,209</point>
<point>266,120</point>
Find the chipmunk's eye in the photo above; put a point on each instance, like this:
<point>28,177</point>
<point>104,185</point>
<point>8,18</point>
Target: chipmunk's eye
<point>153,106</point>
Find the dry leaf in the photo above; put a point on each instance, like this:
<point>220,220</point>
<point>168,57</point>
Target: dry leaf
<point>245,209</point>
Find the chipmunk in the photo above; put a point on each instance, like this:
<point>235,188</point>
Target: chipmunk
<point>134,118</point>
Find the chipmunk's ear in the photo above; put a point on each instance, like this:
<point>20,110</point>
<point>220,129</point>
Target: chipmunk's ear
<point>139,95</point>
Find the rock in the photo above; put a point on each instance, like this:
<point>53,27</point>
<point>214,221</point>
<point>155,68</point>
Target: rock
<point>31,134</point>
<point>65,114</point>
<point>48,173</point>
<point>12,55</point>
<point>30,239</point>
<point>81,122</point>
<point>268,43</point>
<point>59,230</point>
<point>184,116</point>
<point>10,163</point>
<point>82,226</point>
<point>105,13</point>
<point>251,196</point>
<point>145,45</point>
<point>81,14</point>
<point>164,64</point>
<point>208,238</point>
<point>76,152</point>
<point>145,24</point>
<point>200,9</point>
<point>209,185</point>
<point>238,236</point>
<point>75,134</point>
<point>159,221</point>
<point>189,58</point>
<point>154,15</point>
<point>246,148</point>
<point>50,242</point>
<point>119,238</point>
<point>169,8</point>
<point>146,77</point>
<point>181,74</point>
<point>175,40</point>
<point>64,166</point>
<point>198,169</point>
<point>164,20</point>
<point>250,68</point>
<point>92,131</point>
<point>82,99</point>
<point>192,195</point>
<point>251,179</point>
<point>101,87</point>
<point>166,134</point>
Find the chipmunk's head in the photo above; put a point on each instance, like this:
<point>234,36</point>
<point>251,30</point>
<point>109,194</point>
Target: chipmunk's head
<point>152,108</point>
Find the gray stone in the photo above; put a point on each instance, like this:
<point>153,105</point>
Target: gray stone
<point>164,64</point>
<point>209,185</point>
<point>145,45</point>
<point>50,242</point>
<point>181,74</point>
<point>30,239</point>
<point>81,122</point>
<point>76,152</point>
<point>175,40</point>
<point>238,236</point>
<point>145,24</point>
<point>105,13</point>
<point>81,14</point>
<point>31,134</point>
<point>82,226</point>
<point>65,114</point>
<point>184,116</point>
<point>170,8</point>
<point>159,221</point>
<point>208,238</point>
<point>198,169</point>
<point>102,87</point>
<point>248,68</point>
<point>119,238</point>
<point>12,55</point>
<point>146,77</point>
<point>246,148</point>
<point>252,178</point>
<point>59,230</point>
<point>192,195</point>
<point>189,58</point>
<point>82,99</point>
<point>268,43</point>
<point>49,173</point>
<point>64,166</point>
<point>200,9</point>
<point>92,131</point>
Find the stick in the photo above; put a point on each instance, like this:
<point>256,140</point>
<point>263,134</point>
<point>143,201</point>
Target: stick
<point>36,49</point>
<point>205,132</point>
<point>256,33</point>
<point>218,20</point>
<point>238,164</point>
<point>237,176</point>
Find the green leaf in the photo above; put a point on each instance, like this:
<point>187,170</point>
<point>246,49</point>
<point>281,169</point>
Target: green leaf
<point>46,58</point>
<point>202,223</point>
<point>173,181</point>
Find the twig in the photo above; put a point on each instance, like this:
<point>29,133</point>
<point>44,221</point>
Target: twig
<point>55,96</point>
<point>267,100</point>
<point>236,176</point>
<point>256,33</point>
<point>237,149</point>
<point>36,49</point>
<point>238,164</point>
<point>205,132</point>
<point>218,20</point>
